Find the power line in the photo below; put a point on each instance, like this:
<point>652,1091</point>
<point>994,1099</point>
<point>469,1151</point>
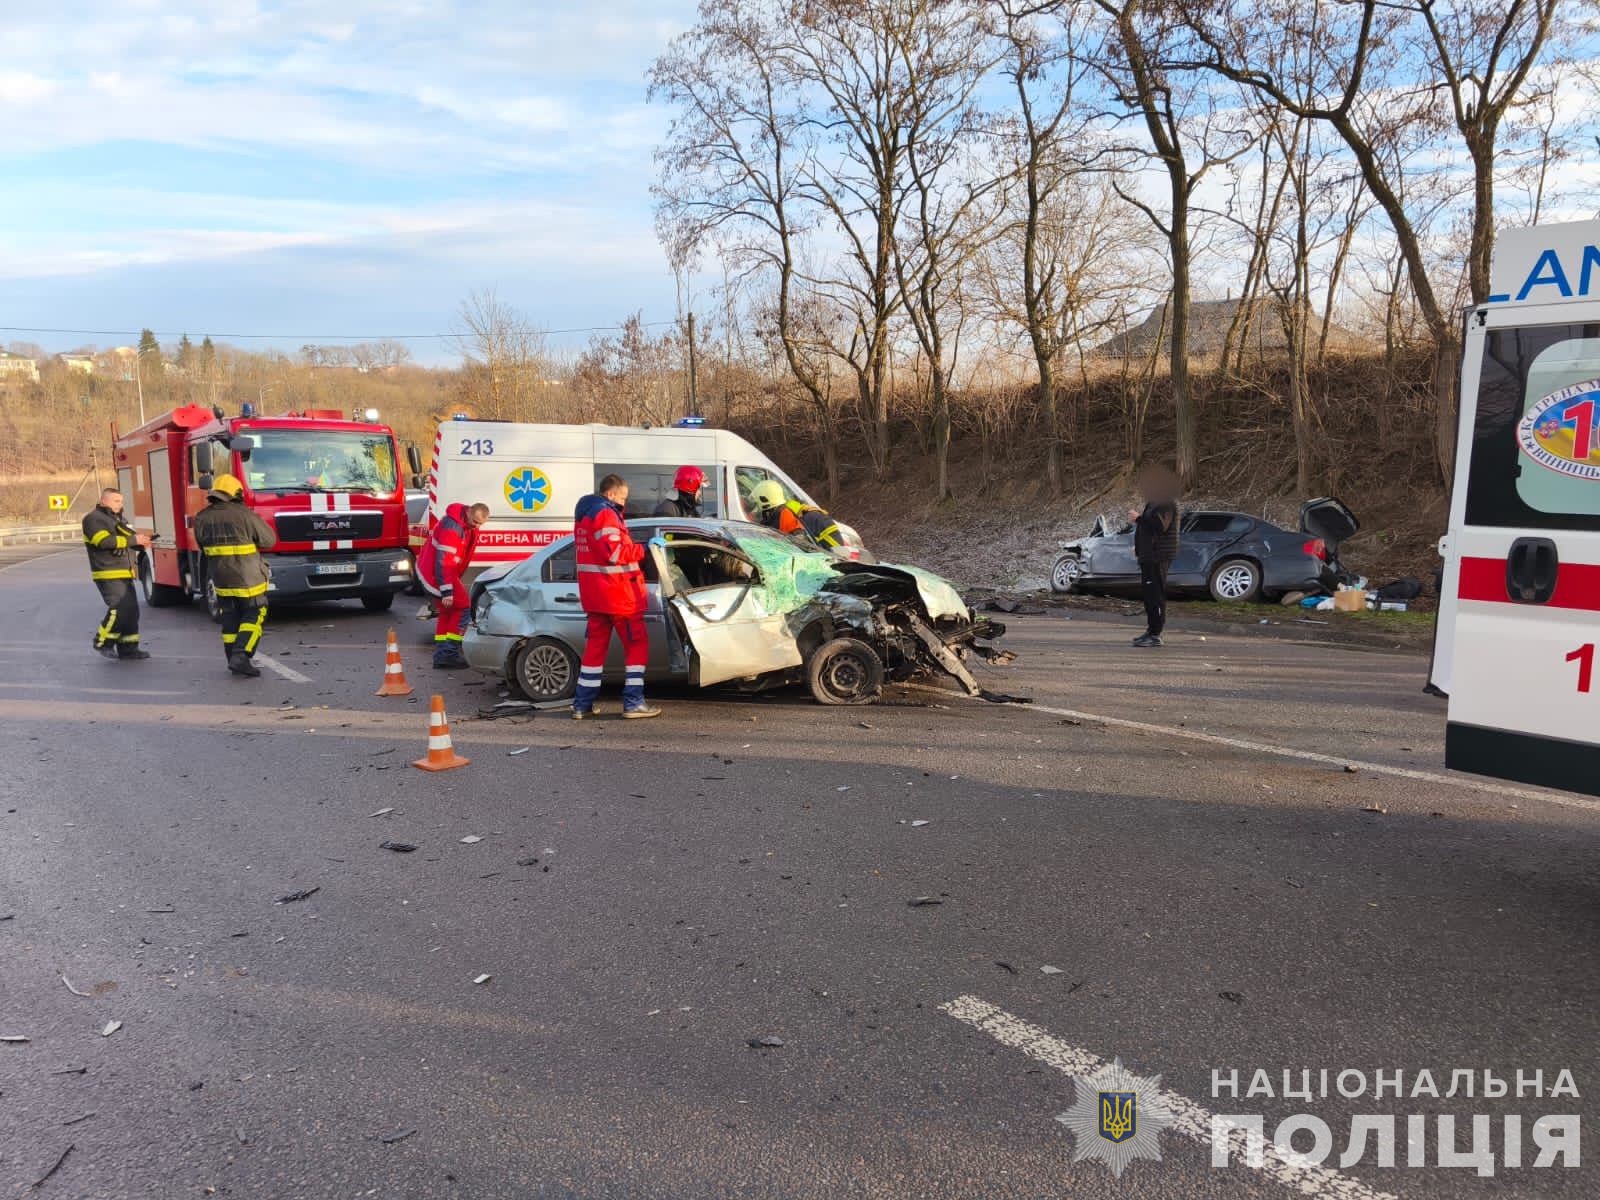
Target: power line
<point>311,337</point>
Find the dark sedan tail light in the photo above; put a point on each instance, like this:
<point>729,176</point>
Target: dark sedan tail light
<point>1317,548</point>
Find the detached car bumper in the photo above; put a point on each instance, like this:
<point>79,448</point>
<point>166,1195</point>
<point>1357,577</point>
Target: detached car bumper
<point>341,575</point>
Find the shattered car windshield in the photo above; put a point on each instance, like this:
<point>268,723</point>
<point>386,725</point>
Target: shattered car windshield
<point>791,574</point>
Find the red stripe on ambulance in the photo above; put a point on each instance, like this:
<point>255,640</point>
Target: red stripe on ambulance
<point>1577,584</point>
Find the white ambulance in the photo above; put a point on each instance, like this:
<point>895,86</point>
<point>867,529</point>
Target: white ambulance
<point>531,476</point>
<point>1519,617</point>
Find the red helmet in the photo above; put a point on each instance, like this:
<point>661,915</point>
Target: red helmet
<point>689,479</point>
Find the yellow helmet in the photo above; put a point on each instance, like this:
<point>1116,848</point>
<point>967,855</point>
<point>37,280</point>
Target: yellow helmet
<point>227,487</point>
<point>768,495</point>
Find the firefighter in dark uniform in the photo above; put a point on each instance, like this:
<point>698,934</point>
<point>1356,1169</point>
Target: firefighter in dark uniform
<point>113,547</point>
<point>790,517</point>
<point>232,538</point>
<point>685,499</point>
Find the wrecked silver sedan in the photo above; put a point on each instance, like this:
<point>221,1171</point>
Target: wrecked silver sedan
<point>737,604</point>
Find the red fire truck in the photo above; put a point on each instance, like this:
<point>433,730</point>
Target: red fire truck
<point>332,489</point>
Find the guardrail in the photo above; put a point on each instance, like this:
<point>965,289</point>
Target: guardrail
<point>10,534</point>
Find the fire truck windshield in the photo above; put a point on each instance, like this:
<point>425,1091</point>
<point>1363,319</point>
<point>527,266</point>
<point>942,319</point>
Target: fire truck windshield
<point>307,460</point>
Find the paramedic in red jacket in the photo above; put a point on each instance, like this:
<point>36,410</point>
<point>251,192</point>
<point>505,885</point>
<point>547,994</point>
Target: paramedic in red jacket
<point>611,588</point>
<point>440,566</point>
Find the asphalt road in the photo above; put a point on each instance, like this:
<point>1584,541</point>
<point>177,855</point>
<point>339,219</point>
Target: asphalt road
<point>1174,834</point>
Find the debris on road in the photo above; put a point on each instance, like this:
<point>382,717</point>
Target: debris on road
<point>43,1179</point>
<point>1350,769</point>
<point>293,896</point>
<point>482,979</point>
<point>1232,997</point>
<point>17,1039</point>
<point>382,812</point>
<point>765,1043</point>
<point>77,1120</point>
<point>471,839</point>
<point>517,751</point>
<point>68,1071</point>
<point>72,989</point>
<point>398,847</point>
<point>1005,966</point>
<point>110,1028</point>
<point>392,1138</point>
<point>1375,808</point>
<point>923,902</point>
<point>528,862</point>
<point>161,910</point>
<point>1050,970</point>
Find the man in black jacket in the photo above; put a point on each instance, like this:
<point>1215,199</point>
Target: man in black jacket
<point>113,547</point>
<point>1155,545</point>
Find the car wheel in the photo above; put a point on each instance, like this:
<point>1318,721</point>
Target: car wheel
<point>1064,575</point>
<point>378,601</point>
<point>414,588</point>
<point>1237,580</point>
<point>545,669</point>
<point>845,671</point>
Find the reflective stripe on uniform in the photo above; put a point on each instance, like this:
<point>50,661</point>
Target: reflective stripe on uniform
<point>447,637</point>
<point>259,589</point>
<point>604,570</point>
<point>99,536</point>
<point>121,573</point>
<point>252,630</point>
<point>229,551</point>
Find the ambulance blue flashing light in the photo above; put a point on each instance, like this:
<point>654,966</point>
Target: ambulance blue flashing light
<point>689,422</point>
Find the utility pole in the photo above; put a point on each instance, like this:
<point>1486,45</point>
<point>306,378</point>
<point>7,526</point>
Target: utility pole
<point>694,383</point>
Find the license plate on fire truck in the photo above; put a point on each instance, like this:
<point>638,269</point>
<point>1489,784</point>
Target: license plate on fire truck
<point>339,568</point>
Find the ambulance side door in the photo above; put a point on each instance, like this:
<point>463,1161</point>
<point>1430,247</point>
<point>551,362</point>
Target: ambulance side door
<point>1525,546</point>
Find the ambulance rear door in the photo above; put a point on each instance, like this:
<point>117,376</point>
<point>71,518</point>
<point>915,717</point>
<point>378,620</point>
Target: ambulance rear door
<point>1524,546</point>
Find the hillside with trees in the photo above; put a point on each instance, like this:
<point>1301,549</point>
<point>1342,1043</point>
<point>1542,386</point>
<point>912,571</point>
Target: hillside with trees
<point>958,261</point>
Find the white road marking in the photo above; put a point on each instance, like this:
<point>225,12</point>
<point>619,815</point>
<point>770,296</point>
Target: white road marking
<point>23,562</point>
<point>1470,783</point>
<point>1189,1119</point>
<point>289,673</point>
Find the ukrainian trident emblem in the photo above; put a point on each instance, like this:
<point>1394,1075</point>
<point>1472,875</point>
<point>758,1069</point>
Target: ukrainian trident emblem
<point>1119,1115</point>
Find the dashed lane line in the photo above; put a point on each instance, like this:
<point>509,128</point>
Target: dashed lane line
<point>1190,1120</point>
<point>1466,782</point>
<point>289,673</point>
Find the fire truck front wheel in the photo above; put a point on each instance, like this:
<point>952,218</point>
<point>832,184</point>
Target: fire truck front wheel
<point>377,601</point>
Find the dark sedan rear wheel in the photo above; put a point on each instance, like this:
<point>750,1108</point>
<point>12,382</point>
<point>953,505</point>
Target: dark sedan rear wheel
<point>545,669</point>
<point>845,671</point>
<point>1237,580</point>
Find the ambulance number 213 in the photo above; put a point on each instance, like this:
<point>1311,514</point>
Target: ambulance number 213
<point>478,446</point>
<point>1584,657</point>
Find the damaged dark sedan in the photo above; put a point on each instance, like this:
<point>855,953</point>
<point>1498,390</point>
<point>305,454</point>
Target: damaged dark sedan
<point>736,604</point>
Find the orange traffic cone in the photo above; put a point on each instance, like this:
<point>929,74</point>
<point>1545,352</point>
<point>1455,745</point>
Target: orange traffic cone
<point>394,675</point>
<point>441,754</point>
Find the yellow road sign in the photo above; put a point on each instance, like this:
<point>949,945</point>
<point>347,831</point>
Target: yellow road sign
<point>59,503</point>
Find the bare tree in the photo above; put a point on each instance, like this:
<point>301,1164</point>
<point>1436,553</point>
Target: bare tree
<point>1049,48</point>
<point>944,58</point>
<point>503,358</point>
<point>1148,42</point>
<point>1372,65</point>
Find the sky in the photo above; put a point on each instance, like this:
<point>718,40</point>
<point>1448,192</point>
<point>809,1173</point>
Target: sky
<point>313,168</point>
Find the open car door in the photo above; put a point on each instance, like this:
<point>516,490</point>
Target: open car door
<point>728,621</point>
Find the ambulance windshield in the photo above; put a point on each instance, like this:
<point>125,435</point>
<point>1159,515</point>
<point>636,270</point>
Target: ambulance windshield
<point>308,460</point>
